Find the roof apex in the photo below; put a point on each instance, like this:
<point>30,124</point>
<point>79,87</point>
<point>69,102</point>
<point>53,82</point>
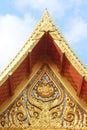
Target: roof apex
<point>45,24</point>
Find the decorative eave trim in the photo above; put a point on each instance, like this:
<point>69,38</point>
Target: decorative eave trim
<point>74,60</point>
<point>46,24</point>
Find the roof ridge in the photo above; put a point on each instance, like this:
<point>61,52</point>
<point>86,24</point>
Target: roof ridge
<point>71,55</point>
<point>45,24</point>
<point>65,47</point>
<point>31,42</point>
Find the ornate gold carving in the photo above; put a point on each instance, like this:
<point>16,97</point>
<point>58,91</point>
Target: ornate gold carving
<point>45,90</point>
<point>3,121</point>
<point>44,104</point>
<point>17,115</point>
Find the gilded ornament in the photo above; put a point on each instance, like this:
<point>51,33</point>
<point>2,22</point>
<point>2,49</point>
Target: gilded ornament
<point>44,104</point>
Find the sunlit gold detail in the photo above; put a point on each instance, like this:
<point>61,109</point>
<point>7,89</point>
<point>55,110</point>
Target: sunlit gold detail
<point>45,90</point>
<point>46,24</point>
<point>33,111</point>
<point>17,114</point>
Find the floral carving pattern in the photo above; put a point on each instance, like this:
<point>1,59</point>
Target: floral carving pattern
<point>44,103</point>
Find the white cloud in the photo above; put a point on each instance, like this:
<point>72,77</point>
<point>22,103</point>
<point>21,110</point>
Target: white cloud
<point>13,33</point>
<point>56,7</point>
<point>15,30</point>
<point>76,30</point>
<point>76,35</point>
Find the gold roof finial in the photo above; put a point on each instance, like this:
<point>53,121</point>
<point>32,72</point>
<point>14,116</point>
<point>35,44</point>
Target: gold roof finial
<point>46,11</point>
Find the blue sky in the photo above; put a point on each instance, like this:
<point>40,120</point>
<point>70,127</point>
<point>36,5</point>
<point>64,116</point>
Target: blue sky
<point>18,19</point>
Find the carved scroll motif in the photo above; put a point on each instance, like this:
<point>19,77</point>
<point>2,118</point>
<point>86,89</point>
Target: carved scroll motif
<point>44,103</point>
<point>18,114</point>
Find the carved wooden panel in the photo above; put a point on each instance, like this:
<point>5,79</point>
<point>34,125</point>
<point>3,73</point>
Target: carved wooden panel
<point>44,104</point>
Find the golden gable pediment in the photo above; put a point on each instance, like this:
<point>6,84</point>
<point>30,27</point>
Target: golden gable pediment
<point>44,104</point>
